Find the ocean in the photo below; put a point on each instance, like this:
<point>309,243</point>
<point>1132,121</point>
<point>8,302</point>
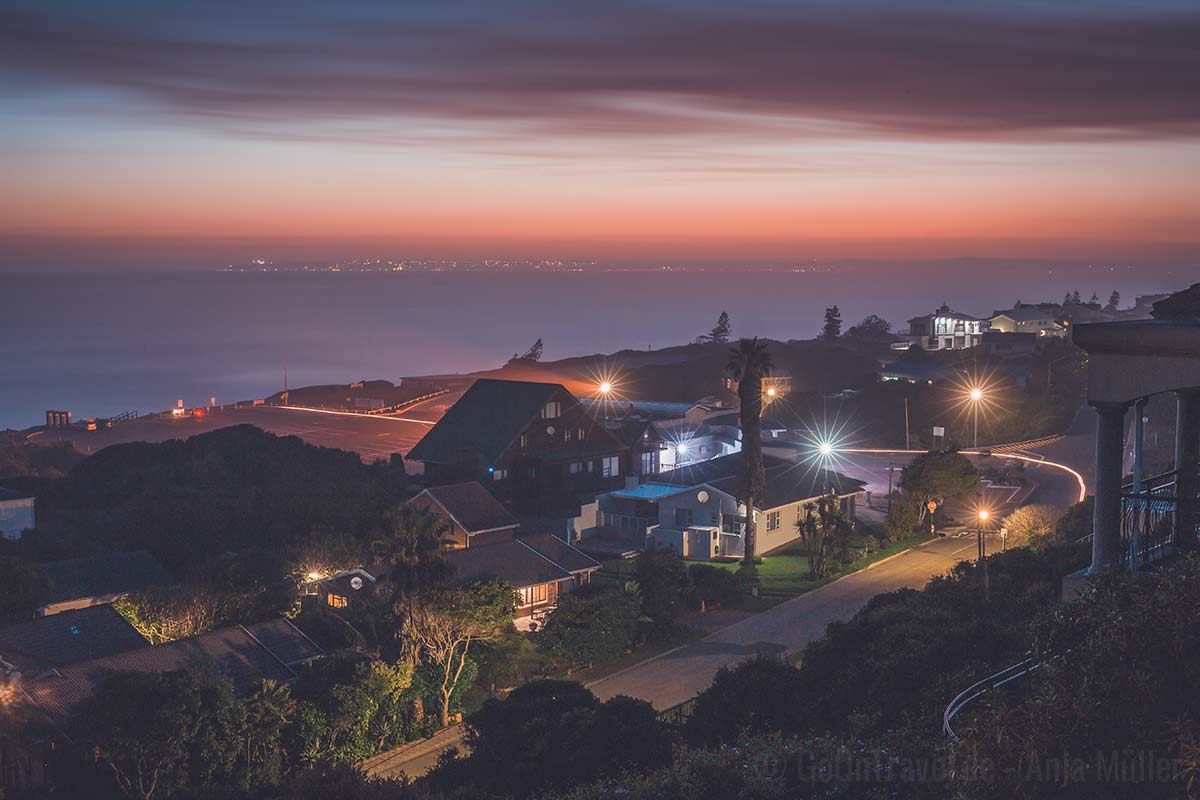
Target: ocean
<point>102,344</point>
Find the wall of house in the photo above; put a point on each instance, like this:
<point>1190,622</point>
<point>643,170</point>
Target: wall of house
<point>790,516</point>
<point>454,533</point>
<point>690,533</point>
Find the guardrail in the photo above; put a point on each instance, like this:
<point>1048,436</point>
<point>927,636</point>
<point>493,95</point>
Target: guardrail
<point>678,715</point>
<point>396,408</point>
<point>989,684</point>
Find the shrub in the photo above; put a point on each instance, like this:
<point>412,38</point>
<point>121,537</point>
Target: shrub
<point>591,625</point>
<point>714,586</point>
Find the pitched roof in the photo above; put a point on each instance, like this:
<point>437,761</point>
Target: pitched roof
<point>787,481</point>
<point>99,576</point>
<point>485,420</point>
<point>57,640</point>
<point>512,562</point>
<point>1023,314</point>
<point>472,506</point>
<point>245,654</point>
<point>561,553</point>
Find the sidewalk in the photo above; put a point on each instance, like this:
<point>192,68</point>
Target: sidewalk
<point>414,759</point>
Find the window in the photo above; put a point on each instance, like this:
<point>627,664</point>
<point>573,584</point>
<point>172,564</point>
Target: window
<point>683,517</point>
<point>703,449</point>
<point>535,594</point>
<point>581,435</point>
<point>648,463</point>
<point>567,435</point>
<point>552,410</point>
<point>336,601</point>
<point>524,440</point>
<point>610,467</point>
<point>575,467</point>
<point>499,474</point>
<point>773,521</point>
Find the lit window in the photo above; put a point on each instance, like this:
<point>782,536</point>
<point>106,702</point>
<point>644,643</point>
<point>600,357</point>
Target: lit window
<point>499,474</point>
<point>581,435</point>
<point>567,435</point>
<point>551,410</point>
<point>648,463</point>
<point>524,440</point>
<point>575,467</point>
<point>610,467</point>
<point>336,601</point>
<point>534,594</point>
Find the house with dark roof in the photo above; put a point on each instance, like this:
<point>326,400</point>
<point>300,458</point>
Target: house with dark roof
<point>97,580</point>
<point>541,568</point>
<point>531,443</point>
<point>31,650</point>
<point>471,516</point>
<point>243,653</point>
<point>695,510</point>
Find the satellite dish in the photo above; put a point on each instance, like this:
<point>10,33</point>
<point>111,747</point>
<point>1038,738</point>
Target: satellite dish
<point>702,496</point>
<point>356,583</point>
<point>550,429</point>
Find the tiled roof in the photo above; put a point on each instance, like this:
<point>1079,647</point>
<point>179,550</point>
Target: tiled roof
<point>472,506</point>
<point>561,553</point>
<point>485,420</point>
<point>512,562</point>
<point>241,653</point>
<point>98,576</point>
<point>67,638</point>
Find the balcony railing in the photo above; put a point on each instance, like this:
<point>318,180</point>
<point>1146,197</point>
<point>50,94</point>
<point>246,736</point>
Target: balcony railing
<point>1150,519</point>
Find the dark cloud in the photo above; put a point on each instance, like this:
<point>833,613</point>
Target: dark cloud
<point>634,70</point>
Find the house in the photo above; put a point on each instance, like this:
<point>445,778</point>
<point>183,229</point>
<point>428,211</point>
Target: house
<point>541,567</point>
<point>96,580</point>
<point>246,654</point>
<point>341,590</point>
<point>644,443</point>
<point>945,330</point>
<point>16,513</point>
<point>531,442</point>
<point>1027,319</point>
<point>471,516</point>
<point>694,510</point>
<point>33,649</point>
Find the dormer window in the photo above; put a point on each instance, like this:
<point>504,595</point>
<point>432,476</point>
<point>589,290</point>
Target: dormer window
<point>552,410</point>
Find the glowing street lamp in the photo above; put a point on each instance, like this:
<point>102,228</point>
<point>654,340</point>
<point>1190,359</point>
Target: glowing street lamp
<point>984,514</point>
<point>771,392</point>
<point>825,449</point>
<point>605,388</point>
<point>976,395</point>
<point>681,448</point>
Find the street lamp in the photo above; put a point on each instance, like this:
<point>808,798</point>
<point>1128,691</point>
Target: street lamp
<point>771,392</point>
<point>605,387</point>
<point>976,396</point>
<point>983,518</point>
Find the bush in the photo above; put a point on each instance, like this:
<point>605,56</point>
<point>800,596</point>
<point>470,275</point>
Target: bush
<point>591,625</point>
<point>759,695</point>
<point>665,584</point>
<point>1034,525</point>
<point>714,586</point>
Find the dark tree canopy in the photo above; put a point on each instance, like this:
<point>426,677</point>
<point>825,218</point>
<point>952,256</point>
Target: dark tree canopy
<point>832,328</point>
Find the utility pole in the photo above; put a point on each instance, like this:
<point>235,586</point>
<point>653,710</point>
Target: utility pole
<point>907,441</point>
<point>891,469</point>
<point>983,564</point>
<point>285,387</point>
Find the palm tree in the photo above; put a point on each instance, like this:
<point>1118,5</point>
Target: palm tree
<point>749,363</point>
<point>410,548</point>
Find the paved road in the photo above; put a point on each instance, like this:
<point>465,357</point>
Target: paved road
<point>681,674</point>
<point>372,437</point>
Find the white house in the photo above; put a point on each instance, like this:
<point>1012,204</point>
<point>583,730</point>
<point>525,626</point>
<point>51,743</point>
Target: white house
<point>945,330</point>
<point>1026,319</point>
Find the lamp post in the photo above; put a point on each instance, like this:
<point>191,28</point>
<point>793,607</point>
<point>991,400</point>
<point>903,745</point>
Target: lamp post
<point>976,399</point>
<point>983,518</point>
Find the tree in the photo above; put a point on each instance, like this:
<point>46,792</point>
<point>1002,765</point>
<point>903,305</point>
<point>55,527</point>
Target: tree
<point>721,331</point>
<point>833,324</point>
<point>1075,297</point>
<point>158,732</point>
<point>268,711</point>
<point>20,581</point>
<point>665,585</point>
<point>591,625</point>
<point>534,353</point>
<point>1095,301</point>
<point>1066,301</point>
<point>755,696</point>
<point>550,735</point>
<point>409,550</point>
<point>1114,301</point>
<point>750,361</point>
<point>824,527</point>
<point>1033,524</point>
<point>165,615</point>
<point>441,625</point>
<point>936,476</point>
<point>871,327</point>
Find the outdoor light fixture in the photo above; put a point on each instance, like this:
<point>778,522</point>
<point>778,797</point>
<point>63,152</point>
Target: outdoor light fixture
<point>977,394</point>
<point>983,515</point>
<point>314,576</point>
<point>825,449</point>
<point>605,387</point>
<point>771,392</point>
<point>681,448</point>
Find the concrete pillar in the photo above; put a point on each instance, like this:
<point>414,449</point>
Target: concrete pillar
<point>1187,459</point>
<point>1106,520</point>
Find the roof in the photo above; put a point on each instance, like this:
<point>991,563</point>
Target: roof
<point>950,314</point>
<point>80,635</point>
<point>513,562</point>
<point>471,506</point>
<point>1023,314</point>
<point>648,491</point>
<point>633,432</point>
<point>561,553</point>
<point>7,494</point>
<point>485,420</point>
<point>245,654</point>
<point>100,576</point>
<point>787,481</point>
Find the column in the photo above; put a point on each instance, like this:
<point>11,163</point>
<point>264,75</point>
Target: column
<point>1106,519</point>
<point>1187,458</point>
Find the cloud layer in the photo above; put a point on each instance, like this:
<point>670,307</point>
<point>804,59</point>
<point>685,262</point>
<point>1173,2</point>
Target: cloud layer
<point>633,70</point>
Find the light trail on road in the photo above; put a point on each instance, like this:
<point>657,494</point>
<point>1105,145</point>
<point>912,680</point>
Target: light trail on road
<point>1078,478</point>
<point>353,414</point>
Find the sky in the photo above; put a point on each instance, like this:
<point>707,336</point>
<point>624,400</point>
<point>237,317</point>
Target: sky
<point>150,135</point>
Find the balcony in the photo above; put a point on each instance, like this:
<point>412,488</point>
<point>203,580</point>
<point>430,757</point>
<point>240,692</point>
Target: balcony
<point>1150,519</point>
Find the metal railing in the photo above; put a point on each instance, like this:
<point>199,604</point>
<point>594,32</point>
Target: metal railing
<point>989,684</point>
<point>678,715</point>
<point>1149,519</point>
